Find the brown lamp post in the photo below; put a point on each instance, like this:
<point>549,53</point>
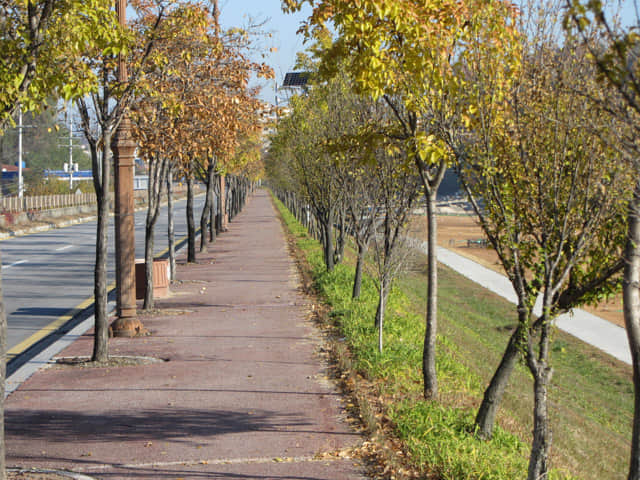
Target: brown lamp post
<point>123,148</point>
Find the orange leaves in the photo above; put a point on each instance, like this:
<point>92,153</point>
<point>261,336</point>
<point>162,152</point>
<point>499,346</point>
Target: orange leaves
<point>196,103</point>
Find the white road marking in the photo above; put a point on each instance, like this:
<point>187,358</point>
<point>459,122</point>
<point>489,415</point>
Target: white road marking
<point>14,264</point>
<point>67,247</point>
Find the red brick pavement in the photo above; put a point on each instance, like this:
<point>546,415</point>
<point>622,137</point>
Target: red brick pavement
<point>239,391</point>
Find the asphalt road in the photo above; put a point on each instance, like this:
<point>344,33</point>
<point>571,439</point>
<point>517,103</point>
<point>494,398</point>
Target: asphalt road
<point>46,275</point>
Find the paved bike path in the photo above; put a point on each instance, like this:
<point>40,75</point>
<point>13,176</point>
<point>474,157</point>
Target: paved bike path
<point>239,390</point>
<point>589,328</point>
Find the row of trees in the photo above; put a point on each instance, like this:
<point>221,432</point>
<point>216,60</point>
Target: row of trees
<point>187,80</point>
<point>337,185</point>
<point>42,43</point>
<point>193,115</point>
<point>518,108</point>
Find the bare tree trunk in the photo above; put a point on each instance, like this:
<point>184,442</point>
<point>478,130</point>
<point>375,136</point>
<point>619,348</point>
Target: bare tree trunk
<point>191,227</point>
<point>233,197</point>
<point>357,279</point>
<point>148,265</point>
<point>221,221</point>
<point>539,460</point>
<point>328,242</point>
<point>224,198</point>
<point>380,313</point>
<point>429,350</point>
<point>170,227</point>
<point>219,205</point>
<point>204,217</point>
<point>101,335</point>
<point>486,417</point>
<point>229,198</point>
<point>157,173</point>
<point>212,212</point>
<point>631,302</point>
<point>208,206</point>
<point>341,237</point>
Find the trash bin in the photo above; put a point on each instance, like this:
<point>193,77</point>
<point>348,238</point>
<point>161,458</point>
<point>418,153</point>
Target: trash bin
<point>160,278</point>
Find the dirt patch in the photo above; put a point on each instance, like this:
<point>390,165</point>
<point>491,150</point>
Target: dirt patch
<point>463,235</point>
<point>114,361</point>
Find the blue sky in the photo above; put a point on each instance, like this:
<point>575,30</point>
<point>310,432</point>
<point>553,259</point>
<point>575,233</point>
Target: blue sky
<point>283,27</point>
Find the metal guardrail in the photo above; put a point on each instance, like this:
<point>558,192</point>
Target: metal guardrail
<point>50,202</point>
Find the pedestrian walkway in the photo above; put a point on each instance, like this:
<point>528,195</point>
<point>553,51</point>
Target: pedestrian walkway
<point>236,389</point>
<point>589,328</point>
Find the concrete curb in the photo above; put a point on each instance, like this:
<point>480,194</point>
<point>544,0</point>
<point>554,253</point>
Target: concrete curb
<point>19,232</point>
<point>42,359</point>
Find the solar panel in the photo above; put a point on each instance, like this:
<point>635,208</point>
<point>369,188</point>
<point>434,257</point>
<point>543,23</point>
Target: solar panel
<point>295,79</point>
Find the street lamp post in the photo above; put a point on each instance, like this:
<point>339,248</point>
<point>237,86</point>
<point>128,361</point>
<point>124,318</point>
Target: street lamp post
<point>123,147</point>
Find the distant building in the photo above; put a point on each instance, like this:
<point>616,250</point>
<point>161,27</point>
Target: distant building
<point>10,172</point>
<point>10,178</point>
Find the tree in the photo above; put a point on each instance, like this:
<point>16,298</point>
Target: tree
<point>152,147</point>
<point>301,141</point>
<point>363,221</point>
<point>615,52</point>
<point>550,196</point>
<point>406,52</point>
<point>40,45</point>
<point>237,119</point>
<point>100,114</point>
<point>170,226</point>
<point>156,108</point>
<point>206,81</point>
<point>393,195</point>
<point>342,163</point>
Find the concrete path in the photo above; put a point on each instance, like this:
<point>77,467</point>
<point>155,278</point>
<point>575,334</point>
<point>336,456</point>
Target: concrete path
<point>238,389</point>
<point>589,328</point>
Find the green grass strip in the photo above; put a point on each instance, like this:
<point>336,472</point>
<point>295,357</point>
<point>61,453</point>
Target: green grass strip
<point>592,396</point>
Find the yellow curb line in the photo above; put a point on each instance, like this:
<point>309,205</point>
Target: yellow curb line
<point>52,327</point>
<point>60,321</point>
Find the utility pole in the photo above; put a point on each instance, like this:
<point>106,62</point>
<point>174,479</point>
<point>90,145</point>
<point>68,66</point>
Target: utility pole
<point>20,178</point>
<point>70,167</point>
<point>123,147</point>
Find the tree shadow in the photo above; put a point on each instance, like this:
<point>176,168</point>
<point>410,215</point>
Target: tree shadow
<point>161,424</point>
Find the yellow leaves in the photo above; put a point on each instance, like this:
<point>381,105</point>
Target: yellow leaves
<point>429,148</point>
